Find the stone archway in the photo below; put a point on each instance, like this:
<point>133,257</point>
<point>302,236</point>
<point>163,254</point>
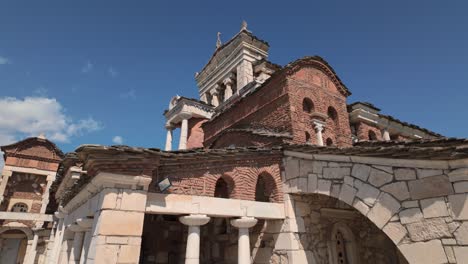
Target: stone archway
<point>420,205</point>
<point>13,244</point>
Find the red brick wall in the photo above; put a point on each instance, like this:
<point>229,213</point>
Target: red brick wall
<point>195,133</point>
<point>266,108</point>
<point>199,178</point>
<point>244,139</point>
<point>31,163</point>
<point>362,131</point>
<point>311,83</point>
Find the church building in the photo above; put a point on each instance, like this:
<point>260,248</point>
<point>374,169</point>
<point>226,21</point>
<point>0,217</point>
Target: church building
<point>273,165</point>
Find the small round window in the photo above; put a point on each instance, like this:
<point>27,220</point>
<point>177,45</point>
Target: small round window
<point>19,208</point>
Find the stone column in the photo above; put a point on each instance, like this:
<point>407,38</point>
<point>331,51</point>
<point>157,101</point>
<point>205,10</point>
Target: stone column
<point>119,216</point>
<point>215,97</point>
<point>66,246</point>
<point>169,137</point>
<point>228,91</point>
<point>85,225</point>
<point>6,174</point>
<point>77,243</point>
<point>184,131</point>
<point>243,224</point>
<point>30,254</point>
<point>192,253</point>
<point>318,131</point>
<point>58,237</point>
<point>386,135</point>
<point>244,74</point>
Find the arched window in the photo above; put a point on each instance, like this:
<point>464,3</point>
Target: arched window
<point>343,245</point>
<point>332,114</point>
<point>19,208</point>
<point>307,137</point>
<point>372,135</point>
<point>264,188</point>
<point>329,142</point>
<point>221,189</point>
<point>307,105</point>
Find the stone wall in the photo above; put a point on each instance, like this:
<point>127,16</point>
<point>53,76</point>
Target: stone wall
<point>422,206</point>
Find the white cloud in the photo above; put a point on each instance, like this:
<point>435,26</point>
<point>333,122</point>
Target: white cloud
<point>130,94</point>
<point>87,67</point>
<point>117,140</point>
<point>4,60</point>
<point>112,72</point>
<point>32,116</point>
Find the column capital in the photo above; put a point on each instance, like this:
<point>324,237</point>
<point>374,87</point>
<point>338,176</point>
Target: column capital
<point>229,80</point>
<point>215,90</point>
<point>85,223</point>
<point>318,125</point>
<point>194,220</point>
<point>169,126</point>
<point>244,222</point>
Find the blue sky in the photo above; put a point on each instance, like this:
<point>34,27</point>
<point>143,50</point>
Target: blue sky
<point>96,70</point>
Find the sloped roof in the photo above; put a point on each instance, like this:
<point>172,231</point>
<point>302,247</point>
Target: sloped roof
<point>21,148</point>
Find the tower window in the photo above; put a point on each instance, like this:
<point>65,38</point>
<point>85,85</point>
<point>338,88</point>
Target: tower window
<point>307,137</point>
<point>372,135</point>
<point>329,142</point>
<point>19,208</point>
<point>307,105</point>
<point>332,114</point>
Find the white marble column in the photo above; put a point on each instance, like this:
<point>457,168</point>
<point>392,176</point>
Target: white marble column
<point>243,224</point>
<point>54,256</point>
<point>318,131</point>
<point>386,135</point>
<point>192,253</point>
<point>169,129</point>
<point>77,243</point>
<point>215,97</point>
<point>184,131</point>
<point>228,91</point>
<point>86,224</point>
<point>30,254</point>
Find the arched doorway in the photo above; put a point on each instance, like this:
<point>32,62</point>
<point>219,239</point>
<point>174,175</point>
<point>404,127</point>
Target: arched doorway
<point>13,246</point>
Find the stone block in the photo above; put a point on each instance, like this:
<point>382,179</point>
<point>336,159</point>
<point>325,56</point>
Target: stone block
<point>385,207</point>
<point>428,229</point>
<point>108,198</point>
<point>336,173</point>
<point>411,215</point>
<point>399,190</point>
<point>458,175</point>
<point>129,254</point>
<point>461,254</point>
<point>435,207</point>
<point>430,187</point>
<point>302,208</point>
<point>106,254</point>
<point>405,174</point>
<point>324,187</point>
<point>120,223</point>
<point>379,178</point>
<point>423,173</point>
<point>361,171</point>
<point>312,182</point>
<point>318,167</point>
<point>459,206</point>
<point>117,240</point>
<point>424,252</point>
<point>449,241</point>
<point>461,187</point>
<point>361,206</point>
<point>395,231</point>
<point>347,194</point>
<point>292,168</point>
<point>349,180</point>
<point>335,190</point>
<point>450,255</point>
<point>368,193</point>
<point>133,201</point>
<point>461,235</point>
<point>305,167</point>
<point>384,168</point>
<point>410,204</point>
